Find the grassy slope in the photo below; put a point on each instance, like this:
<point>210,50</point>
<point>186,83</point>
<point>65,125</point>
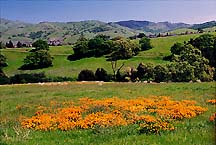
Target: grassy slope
<point>183,30</point>
<point>189,132</point>
<point>63,67</point>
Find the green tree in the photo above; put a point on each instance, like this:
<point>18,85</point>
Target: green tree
<point>19,44</point>
<point>40,45</point>
<point>206,43</point>
<point>145,72</point>
<point>193,57</point>
<point>124,49</point>
<point>160,73</point>
<point>136,48</point>
<point>180,71</point>
<point>101,75</point>
<point>81,48</point>
<point>145,43</point>
<point>38,59</point>
<point>176,48</point>
<point>86,75</point>
<point>9,44</point>
<point>3,77</point>
<point>141,35</point>
<point>3,60</point>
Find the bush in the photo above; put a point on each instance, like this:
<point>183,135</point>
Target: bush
<point>3,78</point>
<point>28,78</point>
<point>60,79</point>
<point>160,73</point>
<point>3,62</point>
<point>86,75</point>
<point>145,72</point>
<point>101,75</point>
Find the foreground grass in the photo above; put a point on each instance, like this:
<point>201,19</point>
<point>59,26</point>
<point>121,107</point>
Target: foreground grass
<point>197,130</point>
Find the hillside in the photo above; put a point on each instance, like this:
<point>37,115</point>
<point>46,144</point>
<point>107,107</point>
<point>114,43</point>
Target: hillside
<point>63,31</point>
<point>204,25</point>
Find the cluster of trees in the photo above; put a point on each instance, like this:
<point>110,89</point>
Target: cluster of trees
<point>207,45</point>
<point>194,60</point>
<point>39,57</point>
<point>116,48</point>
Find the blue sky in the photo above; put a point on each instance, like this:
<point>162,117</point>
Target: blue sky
<point>34,11</point>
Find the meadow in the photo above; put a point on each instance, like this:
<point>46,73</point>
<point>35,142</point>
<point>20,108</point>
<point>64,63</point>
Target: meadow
<point>63,67</point>
<point>22,100</point>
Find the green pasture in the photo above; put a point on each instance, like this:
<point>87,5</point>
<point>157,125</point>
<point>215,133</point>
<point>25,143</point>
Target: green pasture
<point>63,67</point>
<point>195,131</point>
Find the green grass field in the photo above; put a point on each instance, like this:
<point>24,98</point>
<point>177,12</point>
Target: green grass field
<point>63,67</point>
<point>195,131</point>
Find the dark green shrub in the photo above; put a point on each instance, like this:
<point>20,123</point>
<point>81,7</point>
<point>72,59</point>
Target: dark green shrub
<point>60,79</point>
<point>160,73</point>
<point>86,75</point>
<point>145,72</point>
<point>28,78</point>
<point>3,62</point>
<point>3,78</point>
<point>101,75</point>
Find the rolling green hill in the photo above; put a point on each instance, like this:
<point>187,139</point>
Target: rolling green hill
<point>64,67</point>
<point>67,32</point>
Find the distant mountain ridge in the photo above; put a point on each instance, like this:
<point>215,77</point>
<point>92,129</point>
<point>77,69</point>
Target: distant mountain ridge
<point>69,32</point>
<point>204,25</point>
<point>152,26</point>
